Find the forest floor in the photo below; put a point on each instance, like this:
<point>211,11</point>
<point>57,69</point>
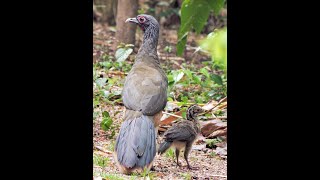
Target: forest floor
<point>211,166</point>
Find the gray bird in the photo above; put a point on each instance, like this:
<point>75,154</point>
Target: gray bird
<point>182,134</point>
<point>144,96</point>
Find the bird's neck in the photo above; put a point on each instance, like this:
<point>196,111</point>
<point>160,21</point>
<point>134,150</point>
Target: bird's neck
<point>191,117</point>
<point>149,43</point>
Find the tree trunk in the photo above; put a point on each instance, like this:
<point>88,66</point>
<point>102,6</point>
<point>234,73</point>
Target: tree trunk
<point>105,8</point>
<point>126,31</point>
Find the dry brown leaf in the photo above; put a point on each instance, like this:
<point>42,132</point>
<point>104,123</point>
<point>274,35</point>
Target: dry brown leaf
<point>221,151</point>
<point>209,127</point>
<point>199,147</point>
<point>161,129</point>
<point>200,139</point>
<point>210,105</point>
<point>170,119</point>
<point>220,132</point>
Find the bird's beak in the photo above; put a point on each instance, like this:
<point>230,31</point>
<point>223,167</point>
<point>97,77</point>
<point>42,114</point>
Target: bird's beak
<point>134,20</point>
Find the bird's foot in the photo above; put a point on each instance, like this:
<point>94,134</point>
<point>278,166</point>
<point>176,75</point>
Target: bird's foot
<point>193,168</point>
<point>179,164</point>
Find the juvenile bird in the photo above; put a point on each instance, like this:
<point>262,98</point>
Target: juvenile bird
<point>182,134</point>
<point>144,96</point>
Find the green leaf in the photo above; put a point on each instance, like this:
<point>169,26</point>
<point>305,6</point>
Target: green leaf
<point>216,44</point>
<point>106,121</point>
<point>177,75</point>
<point>181,44</point>
<point>96,102</point>
<point>105,114</point>
<point>194,14</point>
<point>205,72</point>
<point>197,79</point>
<point>123,53</point>
<point>217,79</point>
<point>184,99</point>
<point>188,73</point>
<point>170,78</point>
<point>101,82</point>
<point>184,114</point>
<point>216,6</point>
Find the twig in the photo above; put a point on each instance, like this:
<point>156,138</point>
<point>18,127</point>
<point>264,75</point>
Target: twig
<point>105,151</point>
<point>218,117</point>
<point>216,175</point>
<point>117,73</point>
<point>222,100</point>
<point>175,102</point>
<point>172,114</point>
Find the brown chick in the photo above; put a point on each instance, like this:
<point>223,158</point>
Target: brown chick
<point>183,134</point>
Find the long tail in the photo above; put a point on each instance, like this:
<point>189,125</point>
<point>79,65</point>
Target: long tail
<point>164,146</point>
<point>136,143</point>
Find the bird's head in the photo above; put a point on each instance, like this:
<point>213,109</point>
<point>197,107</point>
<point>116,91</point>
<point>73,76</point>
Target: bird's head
<point>193,111</point>
<point>144,21</point>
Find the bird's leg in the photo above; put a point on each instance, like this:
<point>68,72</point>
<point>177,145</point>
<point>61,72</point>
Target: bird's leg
<point>177,155</point>
<point>186,154</point>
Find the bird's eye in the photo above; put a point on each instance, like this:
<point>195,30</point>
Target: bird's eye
<point>141,19</point>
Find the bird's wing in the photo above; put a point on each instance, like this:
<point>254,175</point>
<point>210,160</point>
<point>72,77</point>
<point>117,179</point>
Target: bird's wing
<point>182,131</point>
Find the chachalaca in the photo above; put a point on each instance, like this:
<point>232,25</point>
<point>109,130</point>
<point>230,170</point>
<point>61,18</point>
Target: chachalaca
<point>182,134</point>
<point>144,96</point>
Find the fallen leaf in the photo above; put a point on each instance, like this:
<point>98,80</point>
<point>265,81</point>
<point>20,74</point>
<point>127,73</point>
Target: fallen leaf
<point>220,132</point>
<point>170,119</point>
<point>200,139</point>
<point>221,151</point>
<point>199,147</point>
<point>210,126</point>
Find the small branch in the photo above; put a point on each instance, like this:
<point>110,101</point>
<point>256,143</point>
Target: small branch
<point>222,100</point>
<point>172,115</point>
<point>176,102</point>
<point>216,175</point>
<point>105,151</point>
<point>218,117</point>
<point>116,73</point>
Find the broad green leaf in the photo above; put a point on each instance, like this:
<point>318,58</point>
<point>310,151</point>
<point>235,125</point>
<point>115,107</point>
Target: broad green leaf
<point>105,114</point>
<point>194,14</point>
<point>197,79</point>
<point>217,79</point>
<point>188,73</point>
<point>181,45</point>
<point>205,72</point>
<point>216,6</point>
<point>170,78</point>
<point>184,99</point>
<point>177,75</point>
<point>216,44</point>
<point>106,121</point>
<point>123,53</point>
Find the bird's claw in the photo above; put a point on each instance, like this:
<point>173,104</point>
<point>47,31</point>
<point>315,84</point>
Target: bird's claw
<point>193,168</point>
